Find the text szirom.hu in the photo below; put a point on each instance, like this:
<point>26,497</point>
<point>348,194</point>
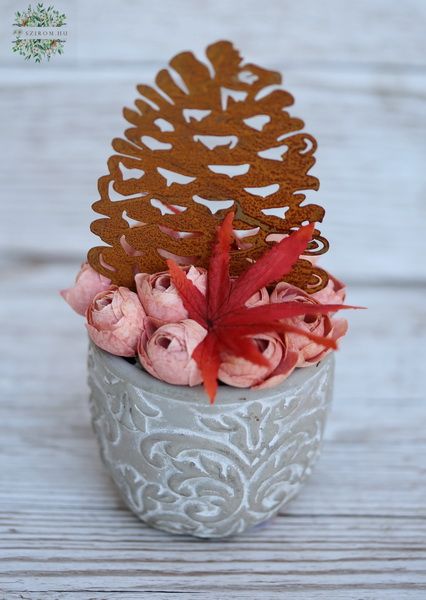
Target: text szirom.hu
<point>46,33</point>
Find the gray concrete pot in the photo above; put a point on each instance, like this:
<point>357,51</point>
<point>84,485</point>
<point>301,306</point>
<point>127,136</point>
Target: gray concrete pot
<point>187,467</point>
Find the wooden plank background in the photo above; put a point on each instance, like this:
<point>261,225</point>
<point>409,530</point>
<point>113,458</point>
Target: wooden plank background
<point>358,529</point>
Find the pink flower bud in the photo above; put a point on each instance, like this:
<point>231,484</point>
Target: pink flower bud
<point>88,283</point>
<point>115,321</point>
<point>165,351</point>
<point>159,296</point>
<point>323,325</point>
<point>239,372</point>
<point>333,293</point>
<point>259,298</point>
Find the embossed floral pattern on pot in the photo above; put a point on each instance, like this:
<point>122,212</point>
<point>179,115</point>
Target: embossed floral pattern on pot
<point>188,467</point>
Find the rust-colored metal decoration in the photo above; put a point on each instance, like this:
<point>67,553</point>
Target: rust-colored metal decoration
<point>211,138</point>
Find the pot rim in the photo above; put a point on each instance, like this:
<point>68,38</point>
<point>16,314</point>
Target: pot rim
<point>140,379</point>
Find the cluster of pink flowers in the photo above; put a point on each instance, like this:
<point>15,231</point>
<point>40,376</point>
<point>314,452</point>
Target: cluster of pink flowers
<point>154,325</point>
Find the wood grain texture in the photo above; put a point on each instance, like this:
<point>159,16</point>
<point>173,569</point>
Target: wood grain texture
<point>371,130</point>
<point>358,529</point>
<point>307,31</point>
<point>361,518</point>
<point>395,353</point>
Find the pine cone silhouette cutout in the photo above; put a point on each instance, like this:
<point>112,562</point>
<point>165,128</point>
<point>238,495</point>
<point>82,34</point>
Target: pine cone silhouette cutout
<point>211,137</point>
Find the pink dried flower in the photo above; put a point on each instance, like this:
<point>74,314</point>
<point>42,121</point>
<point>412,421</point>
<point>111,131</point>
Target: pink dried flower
<point>259,298</point>
<point>115,320</point>
<point>88,283</point>
<point>159,296</point>
<point>240,372</point>
<point>333,293</point>
<point>165,350</point>
<point>321,325</point>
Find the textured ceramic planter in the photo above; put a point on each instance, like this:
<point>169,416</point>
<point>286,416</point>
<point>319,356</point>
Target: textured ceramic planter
<point>187,467</point>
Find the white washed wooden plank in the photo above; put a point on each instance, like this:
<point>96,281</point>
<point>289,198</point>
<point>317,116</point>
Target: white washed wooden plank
<point>360,521</point>
<point>378,359</point>
<point>358,528</point>
<point>366,31</point>
<point>189,572</point>
<point>310,552</point>
<point>333,593</point>
<point>352,479</point>
<point>370,124</point>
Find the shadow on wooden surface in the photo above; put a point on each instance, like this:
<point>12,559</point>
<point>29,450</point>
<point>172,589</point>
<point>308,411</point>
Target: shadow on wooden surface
<point>358,530</point>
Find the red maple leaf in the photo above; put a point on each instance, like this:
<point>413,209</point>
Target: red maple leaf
<point>222,310</point>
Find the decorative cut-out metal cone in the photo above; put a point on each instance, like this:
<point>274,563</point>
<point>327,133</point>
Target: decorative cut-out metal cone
<point>210,131</point>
